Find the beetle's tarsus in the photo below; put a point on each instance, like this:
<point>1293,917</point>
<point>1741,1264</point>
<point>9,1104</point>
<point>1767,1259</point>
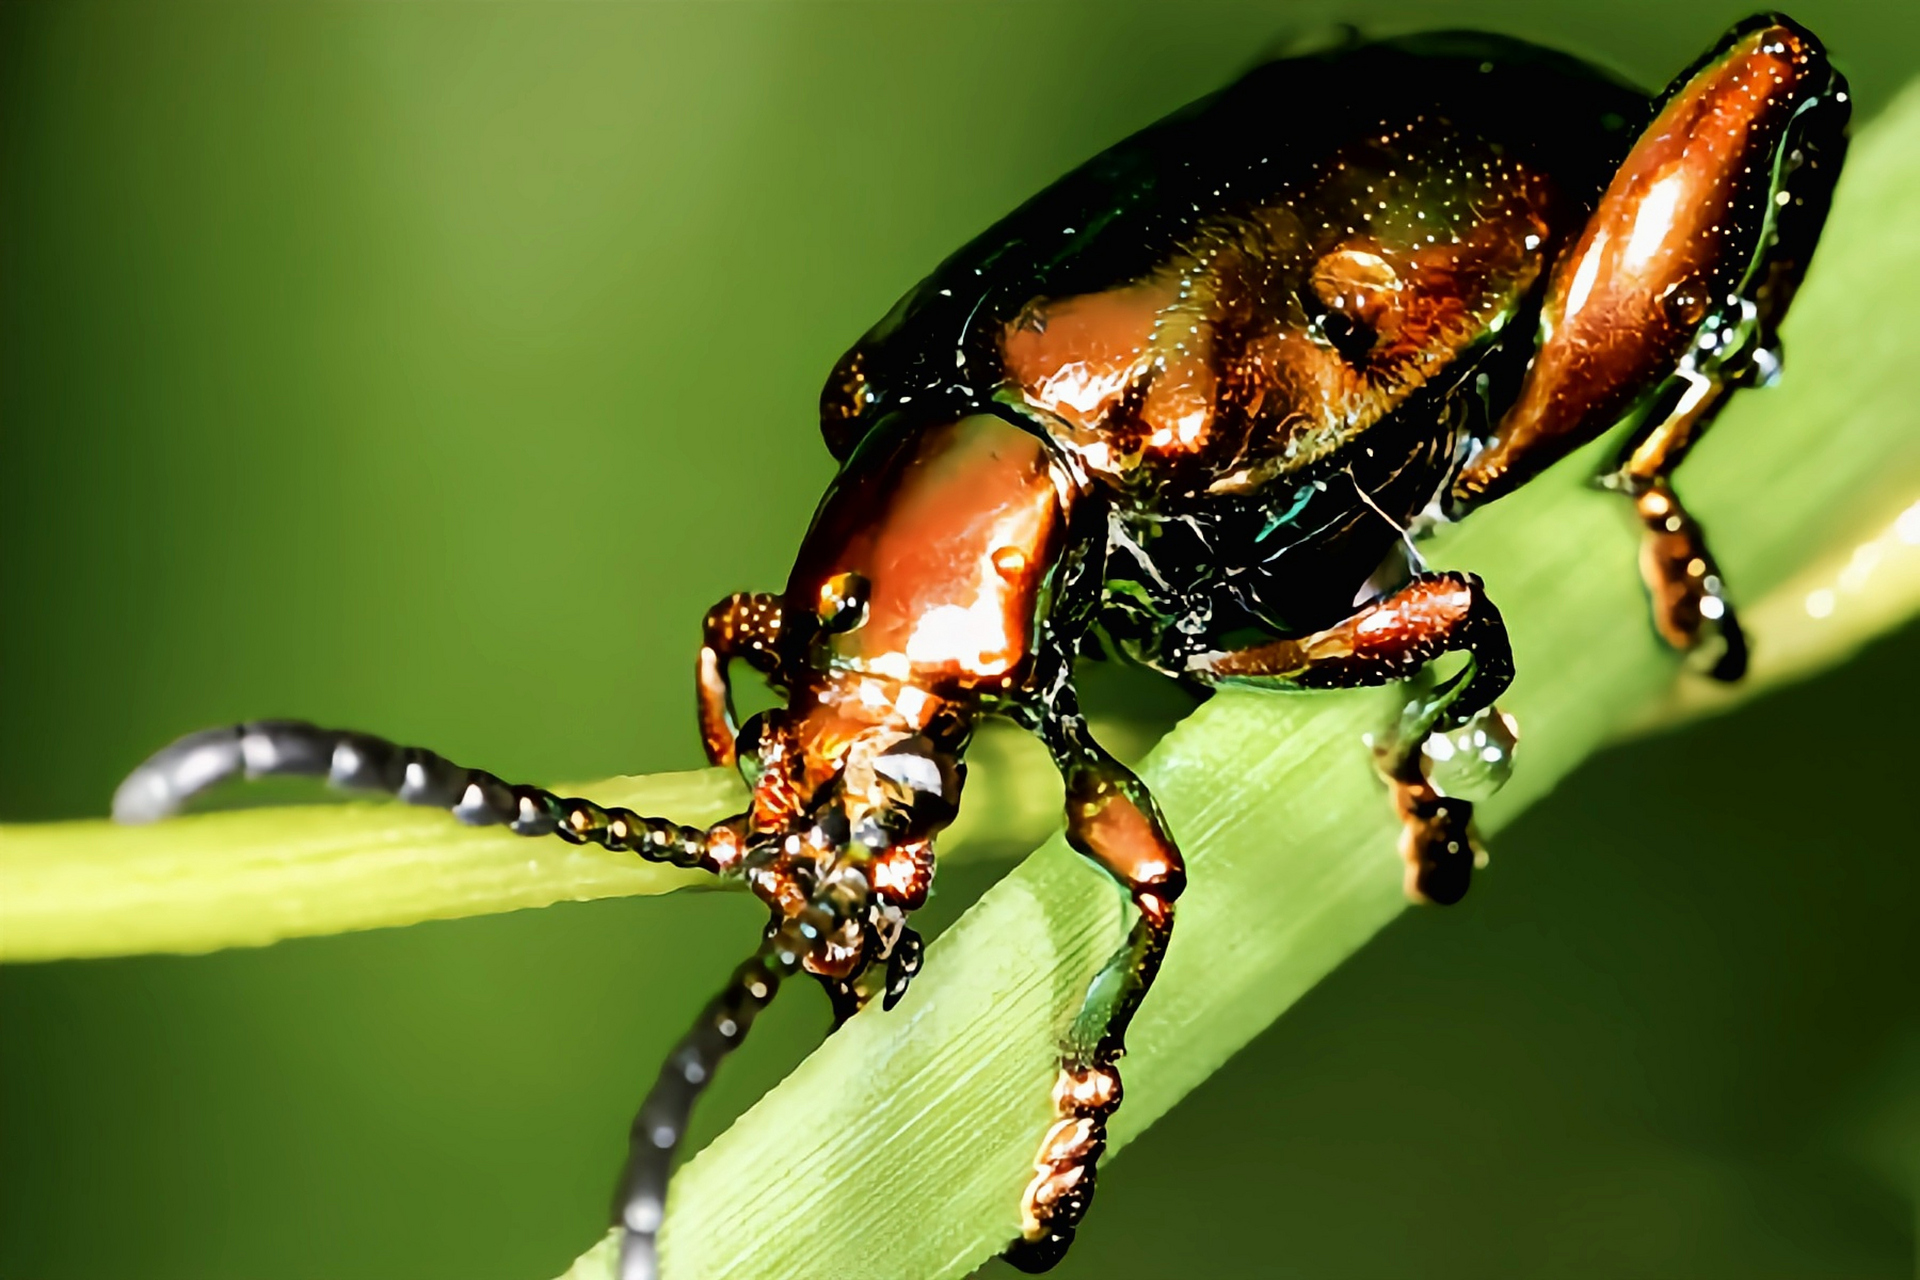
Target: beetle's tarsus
<point>1684,587</point>
<point>1087,1092</point>
<point>903,965</point>
<point>1685,590</point>
<point>1731,664</point>
<point>1044,1254</point>
<point>844,997</point>
<point>1436,841</point>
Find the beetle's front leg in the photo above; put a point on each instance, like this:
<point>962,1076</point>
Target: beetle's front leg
<point>741,626</point>
<point>1112,819</point>
<point>1389,640</point>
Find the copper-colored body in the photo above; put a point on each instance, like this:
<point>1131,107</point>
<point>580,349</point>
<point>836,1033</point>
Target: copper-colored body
<point>1287,343</point>
<point>1206,388</point>
<point>1208,374</point>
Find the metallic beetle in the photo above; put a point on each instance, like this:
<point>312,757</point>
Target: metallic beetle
<point>1189,406</point>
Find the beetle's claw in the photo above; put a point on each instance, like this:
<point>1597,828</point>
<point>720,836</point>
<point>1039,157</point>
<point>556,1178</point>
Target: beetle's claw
<point>1720,651</point>
<point>1035,1256</point>
<point>1436,842</point>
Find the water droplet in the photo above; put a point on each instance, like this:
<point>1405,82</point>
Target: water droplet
<point>1475,760</point>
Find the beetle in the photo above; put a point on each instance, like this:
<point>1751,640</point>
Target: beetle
<point>1191,407</point>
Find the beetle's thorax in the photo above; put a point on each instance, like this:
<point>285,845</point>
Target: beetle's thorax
<point>928,563</point>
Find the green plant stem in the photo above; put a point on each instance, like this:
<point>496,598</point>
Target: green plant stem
<point>1287,835</point>
<point>255,876</point>
<point>249,877</point>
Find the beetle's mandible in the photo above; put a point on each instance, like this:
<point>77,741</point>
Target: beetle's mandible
<point>1190,406</point>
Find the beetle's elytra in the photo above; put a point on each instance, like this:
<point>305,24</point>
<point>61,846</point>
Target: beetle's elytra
<point>1190,406</point>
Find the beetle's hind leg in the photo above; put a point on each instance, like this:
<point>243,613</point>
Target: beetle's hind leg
<point>1669,298</point>
<point>1389,640</point>
<point>1111,819</point>
<point>359,761</point>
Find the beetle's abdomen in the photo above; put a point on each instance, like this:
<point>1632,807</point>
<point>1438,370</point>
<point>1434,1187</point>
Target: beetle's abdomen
<point>1280,330</point>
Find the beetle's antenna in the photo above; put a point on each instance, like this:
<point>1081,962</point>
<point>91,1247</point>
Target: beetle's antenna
<point>640,1202</point>
<point>358,761</point>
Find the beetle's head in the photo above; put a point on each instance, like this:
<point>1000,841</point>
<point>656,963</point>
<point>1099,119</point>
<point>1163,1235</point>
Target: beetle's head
<point>916,600</point>
<point>851,782</point>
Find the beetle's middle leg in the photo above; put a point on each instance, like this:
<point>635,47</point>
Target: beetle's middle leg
<point>1111,819</point>
<point>1389,640</point>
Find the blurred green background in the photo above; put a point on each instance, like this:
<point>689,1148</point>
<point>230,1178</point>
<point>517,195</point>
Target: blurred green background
<point>429,368</point>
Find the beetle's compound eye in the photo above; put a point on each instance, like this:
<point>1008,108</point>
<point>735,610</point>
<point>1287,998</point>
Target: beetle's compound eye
<point>843,603</point>
<point>1352,291</point>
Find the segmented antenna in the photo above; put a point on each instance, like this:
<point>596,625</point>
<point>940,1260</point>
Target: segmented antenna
<point>361,762</point>
<point>640,1202</point>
